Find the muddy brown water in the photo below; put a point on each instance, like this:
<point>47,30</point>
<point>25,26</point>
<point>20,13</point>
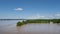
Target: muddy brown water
<point>9,27</point>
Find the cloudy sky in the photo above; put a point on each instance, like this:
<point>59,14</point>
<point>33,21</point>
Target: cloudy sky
<point>29,9</point>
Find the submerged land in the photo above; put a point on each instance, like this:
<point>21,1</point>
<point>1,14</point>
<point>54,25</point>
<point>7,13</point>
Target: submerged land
<point>38,21</point>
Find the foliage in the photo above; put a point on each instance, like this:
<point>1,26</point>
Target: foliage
<point>38,21</point>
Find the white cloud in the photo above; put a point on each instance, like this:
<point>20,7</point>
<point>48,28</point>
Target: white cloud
<point>18,9</point>
<point>57,16</point>
<point>37,16</point>
<point>51,17</point>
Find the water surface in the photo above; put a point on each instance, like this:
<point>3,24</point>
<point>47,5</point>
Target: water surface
<point>9,27</point>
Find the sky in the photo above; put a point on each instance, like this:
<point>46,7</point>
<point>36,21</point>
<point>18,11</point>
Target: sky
<point>29,9</point>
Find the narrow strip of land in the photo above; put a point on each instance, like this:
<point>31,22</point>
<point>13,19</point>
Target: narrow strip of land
<point>38,21</point>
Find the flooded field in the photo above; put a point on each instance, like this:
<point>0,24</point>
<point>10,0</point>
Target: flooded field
<point>9,27</point>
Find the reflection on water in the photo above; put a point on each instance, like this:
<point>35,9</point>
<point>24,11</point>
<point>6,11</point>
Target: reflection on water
<point>9,27</point>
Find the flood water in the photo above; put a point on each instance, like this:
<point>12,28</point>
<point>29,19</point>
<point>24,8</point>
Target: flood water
<point>9,27</point>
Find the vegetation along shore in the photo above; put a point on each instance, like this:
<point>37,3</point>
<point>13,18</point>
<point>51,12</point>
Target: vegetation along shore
<point>38,21</point>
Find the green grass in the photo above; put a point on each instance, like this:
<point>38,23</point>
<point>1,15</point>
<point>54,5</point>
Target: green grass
<point>38,21</point>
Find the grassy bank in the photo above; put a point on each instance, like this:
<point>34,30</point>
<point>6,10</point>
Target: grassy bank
<point>38,21</point>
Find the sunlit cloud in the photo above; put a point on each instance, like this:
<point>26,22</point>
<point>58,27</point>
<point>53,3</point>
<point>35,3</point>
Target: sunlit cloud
<point>18,9</point>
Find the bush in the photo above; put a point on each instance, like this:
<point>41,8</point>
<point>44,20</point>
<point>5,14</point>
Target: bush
<point>19,23</point>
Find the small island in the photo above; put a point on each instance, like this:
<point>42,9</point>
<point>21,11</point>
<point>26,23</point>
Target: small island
<point>38,21</point>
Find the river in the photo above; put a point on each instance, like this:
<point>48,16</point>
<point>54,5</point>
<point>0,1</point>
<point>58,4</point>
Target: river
<point>9,27</point>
